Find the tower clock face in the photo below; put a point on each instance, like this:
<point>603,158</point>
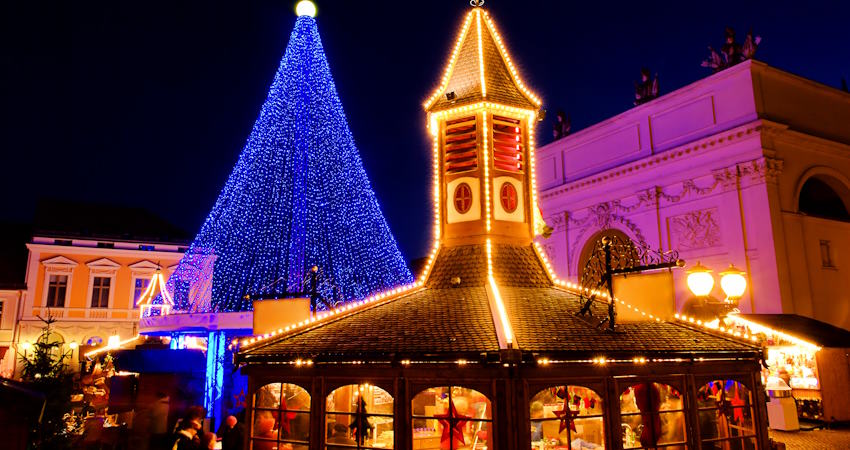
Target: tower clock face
<point>463,198</point>
<point>508,197</point>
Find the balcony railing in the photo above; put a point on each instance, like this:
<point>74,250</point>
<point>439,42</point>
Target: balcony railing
<point>88,313</point>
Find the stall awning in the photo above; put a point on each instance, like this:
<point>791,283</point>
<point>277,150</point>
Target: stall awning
<point>815,331</point>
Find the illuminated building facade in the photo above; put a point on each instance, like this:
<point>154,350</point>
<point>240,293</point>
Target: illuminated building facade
<point>88,273</point>
<point>485,350</point>
<point>748,166</point>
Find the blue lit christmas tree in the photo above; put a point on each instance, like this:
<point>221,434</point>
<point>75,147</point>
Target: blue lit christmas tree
<point>298,197</point>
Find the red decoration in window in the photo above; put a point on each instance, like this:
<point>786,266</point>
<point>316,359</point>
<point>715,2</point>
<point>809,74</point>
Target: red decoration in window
<point>463,198</point>
<point>509,197</point>
<point>453,424</point>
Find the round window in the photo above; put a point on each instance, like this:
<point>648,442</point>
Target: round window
<point>463,198</point>
<point>509,197</point>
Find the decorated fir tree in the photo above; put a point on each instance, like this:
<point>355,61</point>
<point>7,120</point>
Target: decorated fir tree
<point>298,197</point>
<point>45,369</point>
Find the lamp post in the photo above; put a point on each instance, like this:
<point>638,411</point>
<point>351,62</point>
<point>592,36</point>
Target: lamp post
<point>732,281</point>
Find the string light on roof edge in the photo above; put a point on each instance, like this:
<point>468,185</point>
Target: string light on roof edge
<point>298,196</point>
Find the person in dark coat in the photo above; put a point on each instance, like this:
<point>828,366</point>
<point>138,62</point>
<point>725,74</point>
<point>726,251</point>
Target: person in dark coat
<point>232,434</point>
<point>186,437</point>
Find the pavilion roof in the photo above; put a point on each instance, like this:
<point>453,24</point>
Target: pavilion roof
<point>442,323</point>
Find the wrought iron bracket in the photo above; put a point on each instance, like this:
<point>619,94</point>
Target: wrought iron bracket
<point>614,255</point>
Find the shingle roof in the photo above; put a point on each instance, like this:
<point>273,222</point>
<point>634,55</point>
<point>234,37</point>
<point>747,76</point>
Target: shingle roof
<point>545,320</point>
<point>431,321</point>
<point>442,320</point>
<point>465,76</point>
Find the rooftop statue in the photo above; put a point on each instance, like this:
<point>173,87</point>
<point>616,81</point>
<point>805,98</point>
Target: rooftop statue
<point>646,89</point>
<point>731,52</point>
<point>562,125</point>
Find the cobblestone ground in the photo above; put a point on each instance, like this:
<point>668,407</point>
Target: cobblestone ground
<point>815,439</point>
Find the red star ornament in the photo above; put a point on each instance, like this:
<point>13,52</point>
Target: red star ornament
<point>566,415</point>
<point>452,433</point>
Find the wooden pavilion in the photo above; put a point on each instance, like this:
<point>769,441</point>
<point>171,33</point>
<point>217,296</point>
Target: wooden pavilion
<point>486,350</point>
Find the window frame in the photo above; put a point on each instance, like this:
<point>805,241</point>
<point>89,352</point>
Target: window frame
<point>700,384</point>
<point>94,286</point>
<point>452,421</point>
<point>58,265</point>
<point>326,412</point>
<point>50,300</point>
<point>602,404</point>
<point>685,412</point>
<point>279,439</point>
<point>133,297</point>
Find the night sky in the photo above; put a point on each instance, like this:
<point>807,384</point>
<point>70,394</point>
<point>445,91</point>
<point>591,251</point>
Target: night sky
<point>149,103</point>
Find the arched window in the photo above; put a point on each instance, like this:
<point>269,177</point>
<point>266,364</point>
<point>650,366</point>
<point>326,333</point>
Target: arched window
<point>824,196</point>
<point>451,418</point>
<point>281,418</point>
<point>359,416</point>
<point>725,415</point>
<point>652,416</point>
<point>568,417</point>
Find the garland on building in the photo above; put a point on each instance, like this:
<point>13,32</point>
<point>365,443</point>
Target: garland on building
<point>298,197</point>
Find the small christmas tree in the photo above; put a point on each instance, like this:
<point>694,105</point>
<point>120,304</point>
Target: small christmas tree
<point>46,370</point>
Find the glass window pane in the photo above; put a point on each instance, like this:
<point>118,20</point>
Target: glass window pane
<point>713,392</point>
<point>368,410</point>
<point>581,399</point>
<point>644,424</point>
<point>671,399</point>
<point>471,403</point>
<point>672,428</point>
<point>265,424</point>
<point>430,402</point>
<point>268,396</point>
<point>426,434</point>
<point>589,434</point>
<point>451,416</point>
<point>346,399</point>
<point>731,410</point>
<point>294,426</point>
<point>631,430</point>
<point>342,429</point>
<point>294,398</point>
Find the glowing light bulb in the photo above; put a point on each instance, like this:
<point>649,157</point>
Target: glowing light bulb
<point>733,282</point>
<point>305,8</point>
<point>700,281</point>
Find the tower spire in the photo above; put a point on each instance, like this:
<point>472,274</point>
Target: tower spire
<point>482,118</point>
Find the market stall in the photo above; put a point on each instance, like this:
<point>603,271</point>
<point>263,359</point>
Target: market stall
<point>809,356</point>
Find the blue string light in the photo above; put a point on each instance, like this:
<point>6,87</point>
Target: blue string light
<point>297,197</point>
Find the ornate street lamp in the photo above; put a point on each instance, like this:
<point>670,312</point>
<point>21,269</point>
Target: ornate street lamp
<point>700,281</point>
<point>734,283</point>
